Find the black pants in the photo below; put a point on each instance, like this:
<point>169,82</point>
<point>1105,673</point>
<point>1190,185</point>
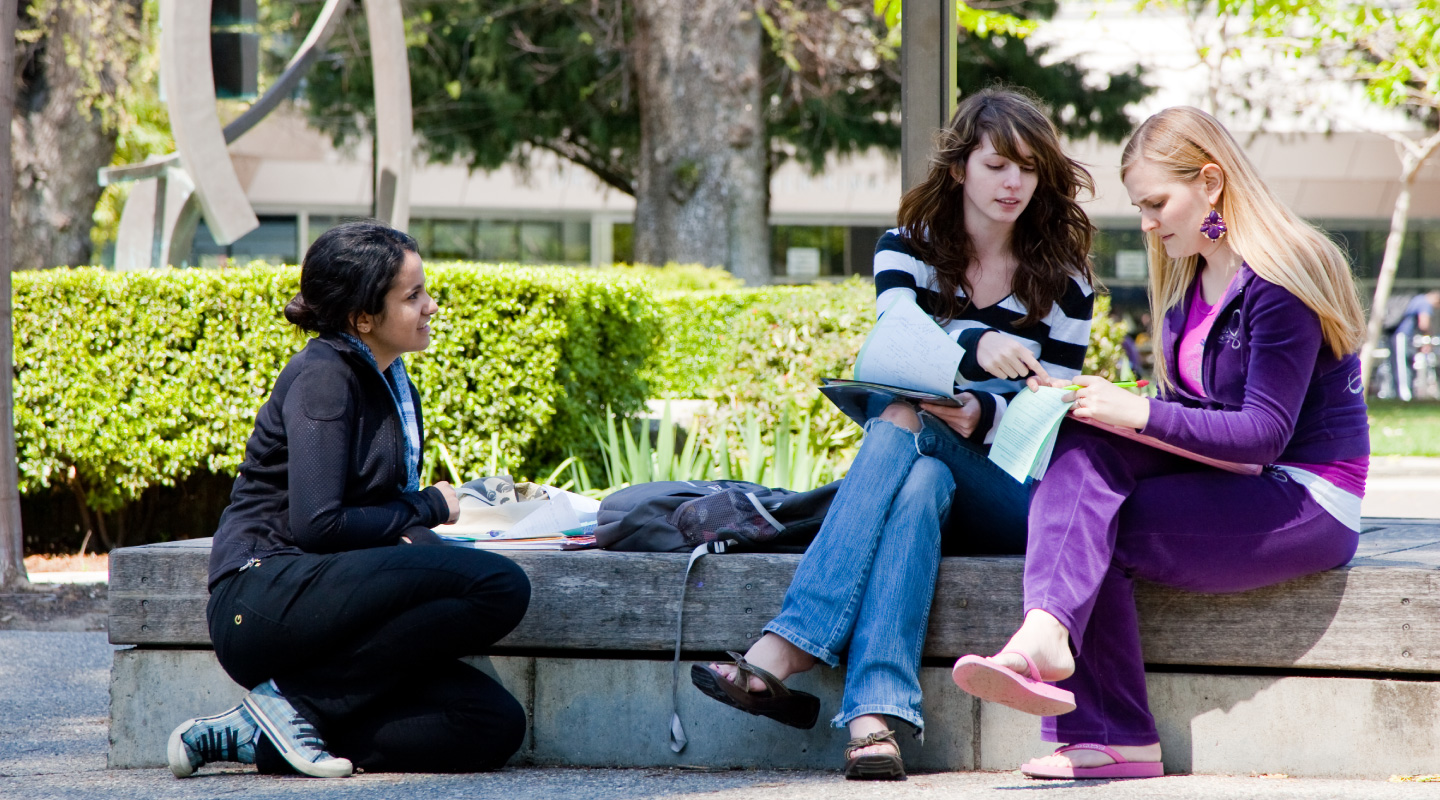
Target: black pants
<point>366,643</point>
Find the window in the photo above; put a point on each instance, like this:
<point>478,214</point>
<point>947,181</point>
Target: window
<point>804,252</point>
<point>275,241</point>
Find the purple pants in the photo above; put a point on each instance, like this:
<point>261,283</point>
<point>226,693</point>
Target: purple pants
<point>1111,510</point>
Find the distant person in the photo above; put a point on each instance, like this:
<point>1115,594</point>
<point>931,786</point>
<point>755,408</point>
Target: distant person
<point>1259,324</point>
<point>324,599</point>
<point>993,246</point>
<point>1418,320</point>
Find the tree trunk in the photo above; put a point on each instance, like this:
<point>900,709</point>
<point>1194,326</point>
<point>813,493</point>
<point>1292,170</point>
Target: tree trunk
<point>700,188</point>
<point>12,539</point>
<point>1412,158</point>
<point>59,141</point>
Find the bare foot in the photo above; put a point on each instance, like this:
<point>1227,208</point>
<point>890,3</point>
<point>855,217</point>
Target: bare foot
<point>1045,640</point>
<point>1095,758</point>
<point>774,655</point>
<point>861,727</point>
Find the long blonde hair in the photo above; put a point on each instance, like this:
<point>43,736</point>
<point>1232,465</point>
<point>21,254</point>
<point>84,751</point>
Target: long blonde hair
<point>1277,244</point>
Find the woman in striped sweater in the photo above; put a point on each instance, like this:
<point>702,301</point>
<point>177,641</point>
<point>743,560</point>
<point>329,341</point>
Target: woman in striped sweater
<point>995,248</point>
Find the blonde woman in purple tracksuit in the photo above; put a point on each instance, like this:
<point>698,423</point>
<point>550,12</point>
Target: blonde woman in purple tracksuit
<point>1256,363</point>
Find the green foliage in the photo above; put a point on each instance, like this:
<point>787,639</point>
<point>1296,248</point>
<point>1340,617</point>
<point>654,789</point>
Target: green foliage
<point>794,460</point>
<point>758,354</point>
<point>142,126</point>
<point>1106,356</point>
<point>163,374</point>
<point>980,21</point>
<point>1398,428</point>
<point>677,277</point>
<point>494,82</point>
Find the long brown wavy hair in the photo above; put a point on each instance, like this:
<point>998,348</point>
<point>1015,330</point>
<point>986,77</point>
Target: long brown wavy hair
<point>1051,239</point>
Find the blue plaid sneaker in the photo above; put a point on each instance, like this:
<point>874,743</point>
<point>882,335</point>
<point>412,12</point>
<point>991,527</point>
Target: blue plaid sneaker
<point>224,737</point>
<point>295,738</point>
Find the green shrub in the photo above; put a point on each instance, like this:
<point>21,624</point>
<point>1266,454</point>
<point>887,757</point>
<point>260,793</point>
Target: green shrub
<point>128,380</point>
<point>760,350</point>
<point>677,277</point>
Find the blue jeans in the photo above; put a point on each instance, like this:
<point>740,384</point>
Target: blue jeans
<point>865,585</point>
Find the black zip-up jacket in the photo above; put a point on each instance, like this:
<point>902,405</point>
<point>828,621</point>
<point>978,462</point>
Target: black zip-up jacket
<point>324,469</point>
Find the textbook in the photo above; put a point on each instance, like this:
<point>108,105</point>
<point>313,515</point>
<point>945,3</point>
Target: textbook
<point>905,357</point>
<point>1025,439</point>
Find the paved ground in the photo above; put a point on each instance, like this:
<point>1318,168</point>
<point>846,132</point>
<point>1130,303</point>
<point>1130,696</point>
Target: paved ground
<point>1400,486</point>
<point>53,739</point>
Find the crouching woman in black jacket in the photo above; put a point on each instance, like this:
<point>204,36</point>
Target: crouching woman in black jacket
<point>321,596</point>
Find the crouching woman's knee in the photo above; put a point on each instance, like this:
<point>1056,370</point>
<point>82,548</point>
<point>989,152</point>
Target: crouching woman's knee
<point>512,589</point>
<point>499,588</point>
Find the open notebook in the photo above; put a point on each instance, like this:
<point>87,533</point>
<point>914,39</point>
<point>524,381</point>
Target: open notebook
<point>898,362</point>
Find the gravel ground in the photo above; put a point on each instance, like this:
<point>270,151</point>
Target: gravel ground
<point>54,735</point>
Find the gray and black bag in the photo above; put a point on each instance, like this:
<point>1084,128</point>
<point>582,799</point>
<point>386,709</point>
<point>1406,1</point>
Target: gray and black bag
<point>703,517</point>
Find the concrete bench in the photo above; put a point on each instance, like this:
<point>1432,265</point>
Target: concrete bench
<point>1329,675</point>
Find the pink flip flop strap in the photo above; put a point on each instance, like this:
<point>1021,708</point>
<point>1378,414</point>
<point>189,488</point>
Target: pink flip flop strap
<point>1097,747</point>
<point>1034,671</point>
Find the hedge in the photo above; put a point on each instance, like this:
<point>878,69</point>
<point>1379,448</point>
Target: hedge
<point>755,351</point>
<point>127,380</point>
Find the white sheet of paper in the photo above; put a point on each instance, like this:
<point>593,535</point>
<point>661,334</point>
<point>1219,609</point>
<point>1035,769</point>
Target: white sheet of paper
<point>1027,432</point>
<point>907,349</point>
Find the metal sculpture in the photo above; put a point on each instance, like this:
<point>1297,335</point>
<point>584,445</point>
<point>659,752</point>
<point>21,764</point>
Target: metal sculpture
<point>173,191</point>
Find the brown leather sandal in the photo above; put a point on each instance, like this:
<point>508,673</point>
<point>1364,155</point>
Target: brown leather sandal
<point>796,709</point>
<point>886,767</point>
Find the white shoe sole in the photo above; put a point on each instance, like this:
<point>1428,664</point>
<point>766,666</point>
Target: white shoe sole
<point>332,767</point>
<point>176,753</point>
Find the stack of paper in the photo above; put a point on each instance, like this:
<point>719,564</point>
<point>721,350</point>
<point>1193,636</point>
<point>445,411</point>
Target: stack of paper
<point>497,514</point>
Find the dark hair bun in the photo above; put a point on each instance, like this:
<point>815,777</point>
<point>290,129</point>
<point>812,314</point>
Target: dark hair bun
<point>299,313</point>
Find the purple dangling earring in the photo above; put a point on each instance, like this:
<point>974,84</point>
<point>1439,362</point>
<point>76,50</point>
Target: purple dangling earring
<point>1214,226</point>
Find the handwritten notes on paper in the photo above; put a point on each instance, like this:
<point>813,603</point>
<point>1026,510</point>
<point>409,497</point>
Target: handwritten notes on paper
<point>1026,436</point>
<point>907,349</point>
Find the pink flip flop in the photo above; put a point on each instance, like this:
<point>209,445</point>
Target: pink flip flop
<point>990,680</point>
<point>1120,769</point>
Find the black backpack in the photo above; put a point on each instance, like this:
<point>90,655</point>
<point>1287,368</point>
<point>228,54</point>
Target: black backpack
<point>679,516</point>
<point>701,517</point>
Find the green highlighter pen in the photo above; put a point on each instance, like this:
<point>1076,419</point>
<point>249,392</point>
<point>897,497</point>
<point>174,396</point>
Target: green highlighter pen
<point>1122,384</point>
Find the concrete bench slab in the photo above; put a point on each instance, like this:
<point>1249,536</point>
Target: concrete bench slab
<point>1379,613</point>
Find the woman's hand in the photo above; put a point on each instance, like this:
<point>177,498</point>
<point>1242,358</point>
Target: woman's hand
<point>452,500</point>
<point>962,420</point>
<point>1005,357</point>
<point>1099,399</point>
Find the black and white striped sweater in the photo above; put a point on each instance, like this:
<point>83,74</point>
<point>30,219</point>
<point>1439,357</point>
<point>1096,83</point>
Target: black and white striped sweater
<point>1059,340</point>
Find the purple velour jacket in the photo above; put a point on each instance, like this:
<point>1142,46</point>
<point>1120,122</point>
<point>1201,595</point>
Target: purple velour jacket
<point>1277,392</point>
